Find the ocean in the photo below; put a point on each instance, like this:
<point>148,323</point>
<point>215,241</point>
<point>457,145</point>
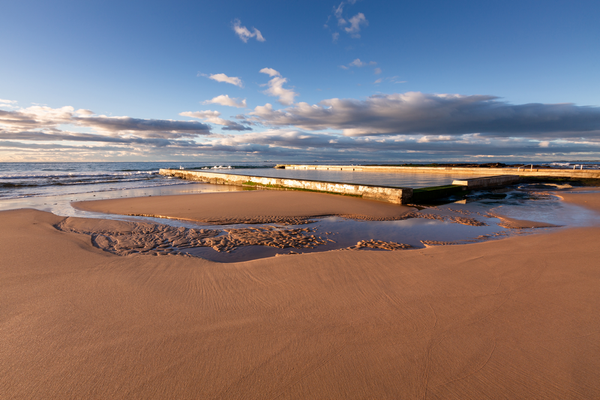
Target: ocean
<point>53,186</point>
<point>24,180</point>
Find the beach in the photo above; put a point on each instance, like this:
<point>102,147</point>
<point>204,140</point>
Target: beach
<point>513,318</point>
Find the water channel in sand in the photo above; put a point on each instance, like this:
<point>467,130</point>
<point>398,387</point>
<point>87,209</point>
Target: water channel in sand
<point>434,225</point>
<point>518,202</point>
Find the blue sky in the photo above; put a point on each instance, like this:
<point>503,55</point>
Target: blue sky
<point>346,81</point>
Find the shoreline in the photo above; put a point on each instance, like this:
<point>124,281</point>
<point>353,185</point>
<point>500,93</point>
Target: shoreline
<point>508,318</point>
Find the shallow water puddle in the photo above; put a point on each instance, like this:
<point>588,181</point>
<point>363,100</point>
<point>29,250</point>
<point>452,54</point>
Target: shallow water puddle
<point>467,220</point>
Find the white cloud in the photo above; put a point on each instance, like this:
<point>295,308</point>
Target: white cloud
<point>270,72</point>
<point>339,10</point>
<point>245,34</point>
<point>207,114</point>
<point>276,89</point>
<point>225,100</point>
<point>45,114</point>
<point>351,26</point>
<point>358,63</point>
<point>213,118</point>
<point>8,104</point>
<point>391,79</point>
<point>355,23</point>
<point>227,79</point>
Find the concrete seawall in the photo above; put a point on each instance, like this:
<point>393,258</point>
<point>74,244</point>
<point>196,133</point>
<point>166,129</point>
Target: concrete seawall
<point>487,182</point>
<point>385,193</point>
<point>483,178</point>
<point>429,194</point>
<point>520,171</point>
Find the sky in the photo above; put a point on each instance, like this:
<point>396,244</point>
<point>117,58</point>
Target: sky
<point>349,81</point>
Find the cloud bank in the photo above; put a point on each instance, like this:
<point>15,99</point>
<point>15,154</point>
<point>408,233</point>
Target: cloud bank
<point>436,114</point>
<point>391,127</point>
<point>48,120</point>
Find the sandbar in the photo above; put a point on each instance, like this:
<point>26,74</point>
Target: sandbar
<point>257,206</point>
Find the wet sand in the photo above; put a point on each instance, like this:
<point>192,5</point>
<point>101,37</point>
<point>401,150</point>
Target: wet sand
<point>513,223</point>
<point>584,197</point>
<point>257,206</point>
<point>514,318</point>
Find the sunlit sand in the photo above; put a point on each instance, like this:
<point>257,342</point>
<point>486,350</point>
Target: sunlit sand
<point>512,318</point>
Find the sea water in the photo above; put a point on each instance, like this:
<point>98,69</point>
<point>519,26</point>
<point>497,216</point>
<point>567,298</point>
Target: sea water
<point>25,180</point>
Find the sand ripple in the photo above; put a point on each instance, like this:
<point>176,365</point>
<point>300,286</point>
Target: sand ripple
<point>126,238</point>
<point>380,245</point>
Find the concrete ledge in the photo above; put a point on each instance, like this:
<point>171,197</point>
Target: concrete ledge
<point>487,181</point>
<point>433,193</point>
<point>385,193</point>
<point>520,171</point>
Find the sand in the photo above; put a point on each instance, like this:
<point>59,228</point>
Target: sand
<point>259,206</point>
<point>133,238</point>
<point>582,197</point>
<point>515,318</point>
<point>513,223</point>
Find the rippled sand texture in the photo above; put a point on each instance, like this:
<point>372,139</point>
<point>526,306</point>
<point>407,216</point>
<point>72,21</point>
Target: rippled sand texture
<point>134,238</point>
<point>514,318</point>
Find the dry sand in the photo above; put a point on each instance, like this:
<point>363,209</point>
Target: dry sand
<point>515,318</point>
